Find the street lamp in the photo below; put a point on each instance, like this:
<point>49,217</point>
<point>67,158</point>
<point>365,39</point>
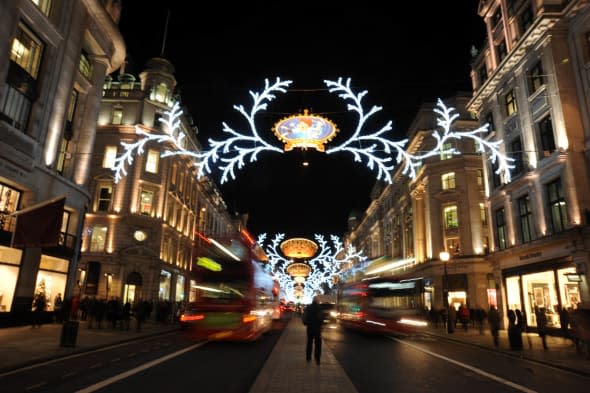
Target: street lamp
<point>445,256</point>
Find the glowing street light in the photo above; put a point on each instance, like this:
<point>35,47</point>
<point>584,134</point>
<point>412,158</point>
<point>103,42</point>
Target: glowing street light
<point>445,256</point>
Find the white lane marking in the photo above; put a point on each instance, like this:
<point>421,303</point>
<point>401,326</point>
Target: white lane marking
<point>128,373</point>
<point>69,375</point>
<point>471,368</point>
<point>79,354</point>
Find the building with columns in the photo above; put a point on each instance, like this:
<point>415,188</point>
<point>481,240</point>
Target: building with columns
<point>518,240</point>
<point>411,221</point>
<point>531,84</point>
<point>143,231</point>
<point>56,55</point>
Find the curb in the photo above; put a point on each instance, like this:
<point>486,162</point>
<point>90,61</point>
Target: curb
<point>512,353</point>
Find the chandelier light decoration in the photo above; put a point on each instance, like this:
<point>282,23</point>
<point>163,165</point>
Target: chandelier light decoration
<point>325,263</point>
<point>243,146</point>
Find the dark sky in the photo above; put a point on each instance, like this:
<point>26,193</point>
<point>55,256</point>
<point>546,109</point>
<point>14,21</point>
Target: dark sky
<point>402,53</point>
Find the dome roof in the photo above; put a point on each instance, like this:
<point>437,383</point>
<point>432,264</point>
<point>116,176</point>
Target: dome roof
<point>159,64</point>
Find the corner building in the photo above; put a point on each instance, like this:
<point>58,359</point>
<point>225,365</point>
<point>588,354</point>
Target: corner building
<point>142,232</point>
<point>55,55</point>
<point>411,221</point>
<point>531,84</point>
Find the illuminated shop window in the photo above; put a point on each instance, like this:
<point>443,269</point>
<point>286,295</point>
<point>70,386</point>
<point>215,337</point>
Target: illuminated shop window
<point>165,283</point>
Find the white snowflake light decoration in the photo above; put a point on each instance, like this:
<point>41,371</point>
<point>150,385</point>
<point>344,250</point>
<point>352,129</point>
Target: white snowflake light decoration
<point>246,145</point>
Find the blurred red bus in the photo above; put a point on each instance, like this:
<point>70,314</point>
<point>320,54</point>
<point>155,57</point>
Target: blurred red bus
<point>384,306</point>
<point>232,297</point>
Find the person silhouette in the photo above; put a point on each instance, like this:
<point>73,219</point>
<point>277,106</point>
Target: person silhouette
<point>313,319</point>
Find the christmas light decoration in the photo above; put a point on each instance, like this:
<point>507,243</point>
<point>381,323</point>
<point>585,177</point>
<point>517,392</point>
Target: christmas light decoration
<point>325,264</point>
<point>246,145</point>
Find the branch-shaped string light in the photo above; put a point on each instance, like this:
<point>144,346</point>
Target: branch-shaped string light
<point>246,145</point>
<point>234,144</point>
<point>327,262</point>
<point>383,164</point>
<point>171,136</point>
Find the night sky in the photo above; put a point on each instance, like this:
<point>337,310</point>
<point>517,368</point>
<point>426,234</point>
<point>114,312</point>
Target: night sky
<point>415,53</point>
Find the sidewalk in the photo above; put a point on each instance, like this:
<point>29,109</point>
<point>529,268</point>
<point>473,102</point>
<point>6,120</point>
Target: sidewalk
<point>286,369</point>
<point>22,346</point>
<point>561,352</point>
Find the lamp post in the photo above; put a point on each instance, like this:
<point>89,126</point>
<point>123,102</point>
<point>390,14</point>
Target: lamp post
<point>444,256</point>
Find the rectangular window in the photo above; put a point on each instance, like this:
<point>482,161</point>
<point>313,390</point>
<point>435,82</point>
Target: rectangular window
<point>489,119</point>
<point>448,180</point>
<point>117,115</point>
<point>525,19</point>
<point>483,215</point>
<point>85,65</point>
<point>110,154</point>
<point>500,229</point>
<point>510,103</point>
<point>447,151</point>
<point>557,206</point>
<point>146,203</point>
<point>516,153</point>
<point>535,78</point>
<point>104,198</point>
<point>496,179</point>
<point>451,217</point>
<point>26,50</point>
<point>525,215</point>
<point>98,238</point>
<point>452,245</point>
<point>152,161</point>
<point>15,108</point>
<point>546,139</point>
<point>480,177</point>
<point>501,51</point>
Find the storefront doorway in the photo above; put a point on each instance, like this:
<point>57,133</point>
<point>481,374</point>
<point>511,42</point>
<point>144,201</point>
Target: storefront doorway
<point>132,290</point>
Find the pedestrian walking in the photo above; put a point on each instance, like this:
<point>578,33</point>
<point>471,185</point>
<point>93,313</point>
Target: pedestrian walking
<point>542,325</point>
<point>494,322</point>
<point>313,318</point>
<point>57,305</point>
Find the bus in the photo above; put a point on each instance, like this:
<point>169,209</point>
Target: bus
<point>234,296</point>
<point>383,306</point>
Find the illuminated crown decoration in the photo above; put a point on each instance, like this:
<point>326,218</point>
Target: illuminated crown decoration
<point>306,130</point>
<point>372,146</point>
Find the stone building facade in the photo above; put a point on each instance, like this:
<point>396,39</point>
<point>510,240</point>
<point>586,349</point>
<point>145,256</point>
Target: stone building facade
<point>143,231</point>
<point>55,56</point>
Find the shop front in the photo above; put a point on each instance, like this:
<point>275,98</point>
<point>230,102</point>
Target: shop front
<point>546,287</point>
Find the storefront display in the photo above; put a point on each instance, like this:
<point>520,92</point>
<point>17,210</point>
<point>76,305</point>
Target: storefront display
<point>546,291</point>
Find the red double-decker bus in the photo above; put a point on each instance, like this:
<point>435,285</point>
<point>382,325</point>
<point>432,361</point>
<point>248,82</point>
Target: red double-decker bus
<point>383,305</point>
<point>234,294</point>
